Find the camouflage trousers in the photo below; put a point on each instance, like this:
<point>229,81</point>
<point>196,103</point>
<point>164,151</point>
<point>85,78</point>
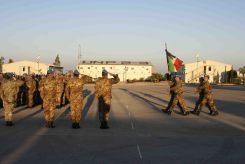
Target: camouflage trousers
<point>30,98</point>
<point>49,107</point>
<point>8,110</point>
<point>205,100</point>
<point>59,99</point>
<point>104,110</point>
<point>177,99</point>
<point>76,106</point>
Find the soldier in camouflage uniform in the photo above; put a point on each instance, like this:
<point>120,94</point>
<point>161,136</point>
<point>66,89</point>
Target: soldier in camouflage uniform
<point>8,92</point>
<point>48,90</point>
<point>176,92</point>
<point>74,93</point>
<point>205,97</point>
<point>31,87</point>
<point>103,88</point>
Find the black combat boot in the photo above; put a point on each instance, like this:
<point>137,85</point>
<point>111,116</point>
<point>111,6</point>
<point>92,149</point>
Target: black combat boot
<point>9,123</point>
<point>47,124</point>
<point>74,125</point>
<point>52,124</point>
<point>77,126</point>
<point>168,111</point>
<point>185,113</point>
<point>214,113</point>
<point>196,112</point>
<point>104,125</point>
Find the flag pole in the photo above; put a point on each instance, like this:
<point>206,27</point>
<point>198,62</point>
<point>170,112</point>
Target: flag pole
<point>166,51</point>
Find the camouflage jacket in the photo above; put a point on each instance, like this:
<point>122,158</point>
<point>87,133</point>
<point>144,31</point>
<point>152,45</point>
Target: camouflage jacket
<point>176,88</point>
<point>60,84</point>
<point>48,88</point>
<point>9,90</point>
<point>74,88</point>
<point>204,88</point>
<point>103,88</point>
<point>30,83</point>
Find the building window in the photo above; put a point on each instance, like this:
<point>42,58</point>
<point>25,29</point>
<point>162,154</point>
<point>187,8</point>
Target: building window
<point>209,68</point>
<point>103,67</point>
<point>147,69</point>
<point>24,69</point>
<point>132,68</point>
<point>88,67</point>
<point>110,67</point>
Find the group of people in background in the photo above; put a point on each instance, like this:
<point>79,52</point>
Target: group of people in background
<point>53,91</point>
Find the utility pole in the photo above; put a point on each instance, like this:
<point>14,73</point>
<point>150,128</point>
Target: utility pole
<point>38,61</point>
<point>79,54</point>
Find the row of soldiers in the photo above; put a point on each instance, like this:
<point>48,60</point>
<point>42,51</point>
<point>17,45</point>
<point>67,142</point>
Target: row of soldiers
<point>205,97</point>
<point>55,90</point>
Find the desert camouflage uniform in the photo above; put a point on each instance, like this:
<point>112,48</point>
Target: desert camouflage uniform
<point>60,89</point>
<point>205,98</point>
<point>31,86</point>
<point>47,88</point>
<point>74,93</point>
<point>103,88</point>
<point>176,92</point>
<point>8,92</point>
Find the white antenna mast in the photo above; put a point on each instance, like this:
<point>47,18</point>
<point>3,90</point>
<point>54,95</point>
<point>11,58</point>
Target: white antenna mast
<point>79,54</point>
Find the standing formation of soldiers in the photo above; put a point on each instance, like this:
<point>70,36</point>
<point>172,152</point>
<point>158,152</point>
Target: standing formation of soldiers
<point>55,90</point>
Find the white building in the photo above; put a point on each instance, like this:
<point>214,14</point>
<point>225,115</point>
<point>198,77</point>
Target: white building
<point>126,70</point>
<point>28,67</point>
<point>212,68</point>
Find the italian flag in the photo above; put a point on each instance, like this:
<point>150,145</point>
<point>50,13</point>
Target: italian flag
<point>174,63</point>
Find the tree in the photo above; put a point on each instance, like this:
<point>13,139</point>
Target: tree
<point>57,61</point>
<point>156,77</point>
<point>242,71</point>
<point>232,74</point>
<point>1,63</point>
<point>11,61</point>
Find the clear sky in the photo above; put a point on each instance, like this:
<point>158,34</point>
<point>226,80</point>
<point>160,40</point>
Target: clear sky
<point>123,30</point>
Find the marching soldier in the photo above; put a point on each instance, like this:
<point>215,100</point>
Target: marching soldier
<point>103,88</point>
<point>8,92</point>
<point>31,86</point>
<point>205,97</point>
<point>48,90</point>
<point>74,93</point>
<point>176,92</point>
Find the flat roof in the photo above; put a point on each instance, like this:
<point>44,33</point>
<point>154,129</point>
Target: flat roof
<point>89,62</point>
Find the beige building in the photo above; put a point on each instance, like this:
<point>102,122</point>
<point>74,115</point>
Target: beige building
<point>28,67</point>
<point>215,69</point>
<point>126,70</point>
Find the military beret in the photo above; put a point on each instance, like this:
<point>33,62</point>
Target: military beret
<point>104,72</point>
<point>50,71</point>
<point>76,72</point>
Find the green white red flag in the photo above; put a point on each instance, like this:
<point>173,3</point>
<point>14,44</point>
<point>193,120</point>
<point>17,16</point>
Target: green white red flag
<point>174,63</point>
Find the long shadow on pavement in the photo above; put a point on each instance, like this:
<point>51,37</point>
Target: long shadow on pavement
<point>88,105</point>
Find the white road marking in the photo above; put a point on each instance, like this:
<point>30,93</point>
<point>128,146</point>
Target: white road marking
<point>140,155</point>
<point>132,125</point>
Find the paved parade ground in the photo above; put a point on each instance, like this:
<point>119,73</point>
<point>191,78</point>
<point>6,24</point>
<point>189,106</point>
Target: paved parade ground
<point>139,132</point>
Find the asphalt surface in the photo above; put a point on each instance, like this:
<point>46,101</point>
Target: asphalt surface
<point>139,132</point>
